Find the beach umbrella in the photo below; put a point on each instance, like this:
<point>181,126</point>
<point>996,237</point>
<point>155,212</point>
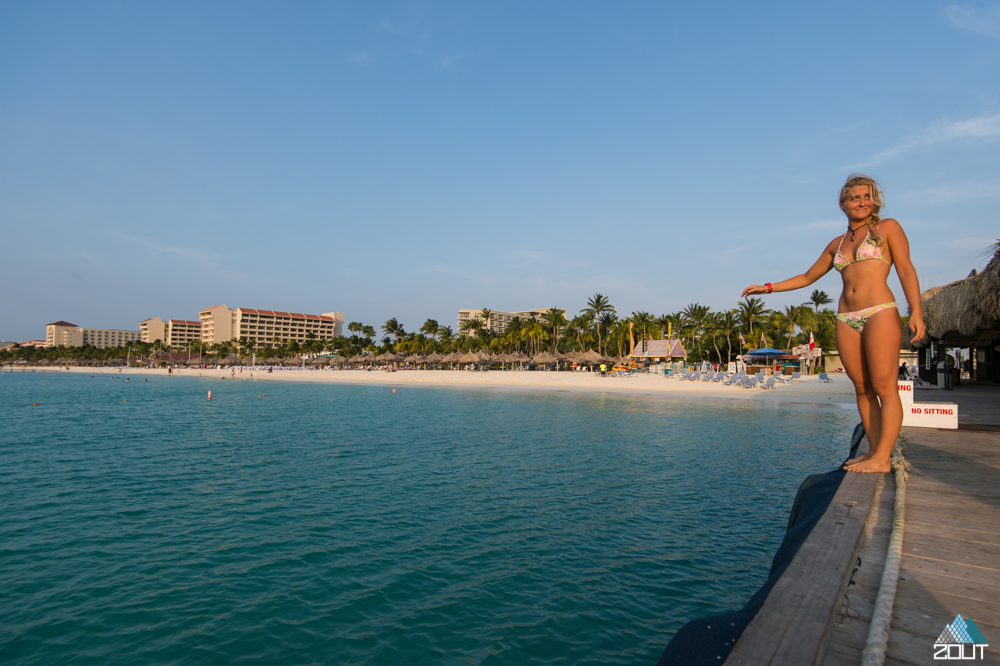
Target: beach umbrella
<point>765,354</point>
<point>414,359</point>
<point>453,357</point>
<point>434,357</point>
<point>355,359</point>
<point>387,357</point>
<point>543,358</point>
<point>469,357</point>
<point>591,357</point>
<point>336,359</point>
<point>484,358</point>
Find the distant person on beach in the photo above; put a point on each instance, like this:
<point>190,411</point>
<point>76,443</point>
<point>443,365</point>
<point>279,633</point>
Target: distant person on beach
<point>869,330</point>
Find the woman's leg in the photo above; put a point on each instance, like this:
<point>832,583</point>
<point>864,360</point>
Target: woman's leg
<point>853,357</point>
<point>880,349</point>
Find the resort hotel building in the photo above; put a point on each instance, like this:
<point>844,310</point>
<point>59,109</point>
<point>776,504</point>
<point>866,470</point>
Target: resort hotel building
<point>499,320</point>
<point>219,324</point>
<point>173,332</point>
<point>65,334</point>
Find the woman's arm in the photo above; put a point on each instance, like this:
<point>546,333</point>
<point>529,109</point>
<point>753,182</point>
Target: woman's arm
<point>899,245</point>
<point>818,270</point>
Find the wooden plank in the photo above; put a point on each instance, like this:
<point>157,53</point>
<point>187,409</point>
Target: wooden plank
<point>920,598</point>
<point>934,547</point>
<point>961,510</point>
<point>954,532</point>
<point>974,582</point>
<point>962,484</point>
<point>792,626</point>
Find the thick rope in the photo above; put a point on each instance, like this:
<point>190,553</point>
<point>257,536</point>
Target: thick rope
<point>878,631</point>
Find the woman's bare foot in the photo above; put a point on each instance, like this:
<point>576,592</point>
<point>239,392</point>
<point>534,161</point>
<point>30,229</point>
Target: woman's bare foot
<point>870,466</point>
<point>859,459</point>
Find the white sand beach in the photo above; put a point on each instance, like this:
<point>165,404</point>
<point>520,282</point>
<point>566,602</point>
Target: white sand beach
<point>806,390</point>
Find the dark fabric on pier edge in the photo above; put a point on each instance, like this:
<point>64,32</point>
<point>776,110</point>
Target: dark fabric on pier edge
<point>709,640</point>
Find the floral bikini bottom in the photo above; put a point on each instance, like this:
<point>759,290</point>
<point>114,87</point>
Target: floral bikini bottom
<point>857,320</point>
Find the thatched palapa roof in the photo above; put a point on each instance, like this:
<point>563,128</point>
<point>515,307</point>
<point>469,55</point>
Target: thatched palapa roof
<point>965,311</point>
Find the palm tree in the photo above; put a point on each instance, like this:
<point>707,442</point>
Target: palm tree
<point>665,325</point>
<point>696,314</point>
<point>597,306</point>
<point>620,331</point>
<point>579,325</point>
<point>368,332</point>
<point>430,328</point>
<point>750,310</point>
<point>472,327</point>
<point>356,327</point>
<point>642,321</point>
<point>445,333</point>
<point>556,321</point>
<point>607,320</point>
<point>726,323</point>
<point>485,314</point>
<point>819,298</point>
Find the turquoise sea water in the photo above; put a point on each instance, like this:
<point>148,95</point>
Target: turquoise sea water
<point>322,524</point>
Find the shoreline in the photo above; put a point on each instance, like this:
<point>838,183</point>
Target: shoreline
<point>808,390</point>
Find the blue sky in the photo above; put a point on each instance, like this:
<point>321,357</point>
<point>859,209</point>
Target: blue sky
<point>406,160</point>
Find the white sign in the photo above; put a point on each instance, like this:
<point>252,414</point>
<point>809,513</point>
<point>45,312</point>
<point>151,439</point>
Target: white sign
<point>800,349</point>
<point>926,414</point>
<point>732,367</point>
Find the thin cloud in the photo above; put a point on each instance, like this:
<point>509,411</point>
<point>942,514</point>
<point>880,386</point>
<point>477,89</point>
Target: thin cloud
<point>982,21</point>
<point>955,193</point>
<point>823,225</point>
<point>210,262</point>
<point>363,59</point>
<point>982,127</point>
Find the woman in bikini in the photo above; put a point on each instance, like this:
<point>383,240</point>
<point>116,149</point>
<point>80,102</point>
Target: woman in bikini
<point>869,330</point>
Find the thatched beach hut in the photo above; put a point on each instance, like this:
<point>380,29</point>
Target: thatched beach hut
<point>965,314</point>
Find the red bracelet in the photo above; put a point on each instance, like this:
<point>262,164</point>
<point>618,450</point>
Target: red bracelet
<point>769,287</point>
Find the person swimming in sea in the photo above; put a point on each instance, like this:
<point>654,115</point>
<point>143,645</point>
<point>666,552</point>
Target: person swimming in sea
<point>869,330</point>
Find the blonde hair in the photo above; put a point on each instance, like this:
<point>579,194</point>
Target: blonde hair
<point>878,200</point>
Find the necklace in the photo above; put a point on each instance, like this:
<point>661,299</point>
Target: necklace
<point>854,231</point>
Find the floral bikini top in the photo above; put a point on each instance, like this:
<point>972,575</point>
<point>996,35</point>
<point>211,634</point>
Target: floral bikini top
<point>867,250</point>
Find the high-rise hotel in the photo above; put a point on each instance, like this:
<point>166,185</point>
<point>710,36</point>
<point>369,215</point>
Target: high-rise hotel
<point>219,324</point>
<point>65,334</point>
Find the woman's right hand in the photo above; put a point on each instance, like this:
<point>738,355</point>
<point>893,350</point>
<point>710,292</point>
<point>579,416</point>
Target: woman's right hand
<point>754,289</point>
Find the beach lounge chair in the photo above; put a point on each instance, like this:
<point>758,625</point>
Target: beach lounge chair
<point>824,378</point>
<point>732,379</point>
<point>719,376</point>
<point>796,376</point>
<point>752,383</point>
<point>768,384</point>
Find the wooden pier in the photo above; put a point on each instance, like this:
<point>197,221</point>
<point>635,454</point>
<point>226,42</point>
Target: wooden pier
<point>820,610</point>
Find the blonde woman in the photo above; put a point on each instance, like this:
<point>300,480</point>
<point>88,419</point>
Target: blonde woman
<point>869,329</point>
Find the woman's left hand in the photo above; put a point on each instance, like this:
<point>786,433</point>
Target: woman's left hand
<point>754,289</point>
<point>916,325</point>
